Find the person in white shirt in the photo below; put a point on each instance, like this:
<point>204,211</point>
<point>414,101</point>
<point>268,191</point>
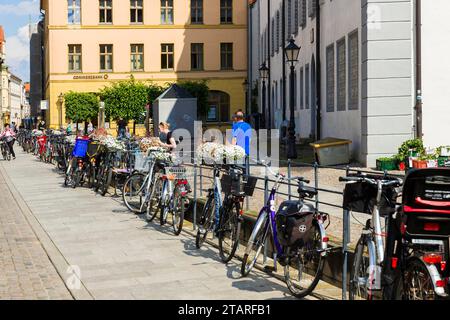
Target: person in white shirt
<point>9,135</point>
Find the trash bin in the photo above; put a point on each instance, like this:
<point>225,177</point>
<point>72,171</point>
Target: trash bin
<point>332,151</point>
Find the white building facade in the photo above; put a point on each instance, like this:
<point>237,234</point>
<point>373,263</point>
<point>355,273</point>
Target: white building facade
<point>16,99</point>
<point>363,85</point>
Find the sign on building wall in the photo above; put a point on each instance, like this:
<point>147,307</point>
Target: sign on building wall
<point>44,104</point>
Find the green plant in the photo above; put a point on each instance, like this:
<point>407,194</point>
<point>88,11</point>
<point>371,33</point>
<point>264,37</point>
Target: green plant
<point>199,90</point>
<point>414,144</point>
<point>81,106</point>
<point>385,159</point>
<point>125,99</point>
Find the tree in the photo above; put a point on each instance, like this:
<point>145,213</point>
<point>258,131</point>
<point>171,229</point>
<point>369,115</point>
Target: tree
<point>125,99</point>
<point>81,106</point>
<point>200,90</point>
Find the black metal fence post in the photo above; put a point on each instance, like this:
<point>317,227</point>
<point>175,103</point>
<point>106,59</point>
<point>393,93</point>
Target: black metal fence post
<point>345,242</point>
<point>195,197</point>
<point>316,183</point>
<point>289,177</point>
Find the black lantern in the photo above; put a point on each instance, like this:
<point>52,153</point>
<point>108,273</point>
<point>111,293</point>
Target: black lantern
<point>292,52</point>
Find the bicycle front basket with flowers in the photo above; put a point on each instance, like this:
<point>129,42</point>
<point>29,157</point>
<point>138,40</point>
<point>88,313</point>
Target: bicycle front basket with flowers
<point>211,153</point>
<point>161,155</point>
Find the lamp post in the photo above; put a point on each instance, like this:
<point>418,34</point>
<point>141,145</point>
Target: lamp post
<point>292,52</point>
<point>101,114</point>
<point>264,75</point>
<point>60,102</point>
<point>246,89</point>
<point>147,119</point>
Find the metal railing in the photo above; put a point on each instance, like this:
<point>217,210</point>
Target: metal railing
<point>199,181</point>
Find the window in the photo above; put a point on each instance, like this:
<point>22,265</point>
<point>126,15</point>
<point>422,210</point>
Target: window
<point>136,11</point>
<point>296,16</point>
<point>353,71</point>
<point>74,58</point>
<point>226,56</point>
<point>196,11</point>
<point>341,76</point>
<point>74,11</point>
<point>137,57</point>
<point>106,57</point>
<point>226,11</point>
<point>197,56</point>
<point>272,51</point>
<point>219,107</point>
<point>167,59</point>
<point>307,81</point>
<point>312,6</point>
<point>289,19</point>
<point>166,11</point>
<point>105,7</point>
<point>302,88</point>
<point>330,78</point>
<point>278,42</point>
<point>302,13</point>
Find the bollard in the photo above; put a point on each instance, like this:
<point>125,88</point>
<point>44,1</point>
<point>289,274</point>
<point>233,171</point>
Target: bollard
<point>195,198</point>
<point>289,177</point>
<point>345,242</point>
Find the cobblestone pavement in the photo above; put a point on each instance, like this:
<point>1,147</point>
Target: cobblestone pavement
<point>120,256</point>
<point>25,269</point>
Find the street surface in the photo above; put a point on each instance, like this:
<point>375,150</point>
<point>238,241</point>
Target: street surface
<point>114,253</point>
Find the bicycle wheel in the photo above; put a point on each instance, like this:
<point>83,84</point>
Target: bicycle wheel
<point>107,179</point>
<point>305,265</point>
<point>164,211</point>
<point>255,244</point>
<point>133,193</point>
<point>179,206</point>
<point>155,199</point>
<point>206,222</point>
<point>417,284</point>
<point>359,274</point>
<point>229,231</point>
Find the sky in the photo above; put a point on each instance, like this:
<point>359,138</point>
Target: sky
<point>14,17</point>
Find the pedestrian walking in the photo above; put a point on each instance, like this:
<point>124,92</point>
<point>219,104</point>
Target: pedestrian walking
<point>241,133</point>
<point>121,128</point>
<point>9,135</point>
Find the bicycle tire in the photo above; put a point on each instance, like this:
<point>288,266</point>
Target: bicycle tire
<point>358,272</point>
<point>107,182</point>
<point>134,182</point>
<point>258,237</point>
<point>178,210</point>
<point>206,221</point>
<point>417,282</point>
<point>231,217</point>
<point>154,201</point>
<point>298,290</point>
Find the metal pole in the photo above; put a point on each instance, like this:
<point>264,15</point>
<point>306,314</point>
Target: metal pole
<point>316,182</point>
<point>266,187</point>
<point>201,181</point>
<point>345,242</point>
<point>289,177</point>
<point>292,149</point>
<point>264,112</point>
<point>195,198</point>
<point>247,171</point>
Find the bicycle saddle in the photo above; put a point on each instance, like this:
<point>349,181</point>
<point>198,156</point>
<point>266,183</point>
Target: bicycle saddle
<point>307,192</point>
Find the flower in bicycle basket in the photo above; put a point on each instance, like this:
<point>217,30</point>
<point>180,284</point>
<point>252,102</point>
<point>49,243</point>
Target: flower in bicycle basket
<point>161,154</point>
<point>71,139</point>
<point>146,143</point>
<point>234,153</point>
<point>37,133</point>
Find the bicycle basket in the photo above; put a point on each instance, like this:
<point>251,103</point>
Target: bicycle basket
<point>235,185</point>
<point>81,146</point>
<point>94,149</point>
<point>141,162</point>
<point>294,228</point>
<point>176,173</point>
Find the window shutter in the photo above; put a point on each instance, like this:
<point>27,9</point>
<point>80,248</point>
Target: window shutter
<point>296,17</point>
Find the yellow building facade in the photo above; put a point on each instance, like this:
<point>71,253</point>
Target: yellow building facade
<point>91,43</point>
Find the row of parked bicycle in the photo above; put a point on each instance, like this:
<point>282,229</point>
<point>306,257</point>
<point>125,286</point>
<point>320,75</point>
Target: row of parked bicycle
<point>407,257</point>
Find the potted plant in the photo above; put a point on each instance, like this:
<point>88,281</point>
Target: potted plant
<point>387,164</point>
<point>410,150</point>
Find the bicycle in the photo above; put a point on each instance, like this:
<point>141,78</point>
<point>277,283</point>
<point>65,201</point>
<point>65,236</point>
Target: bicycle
<point>374,195</point>
<point>210,212</point>
<point>6,153</point>
<point>299,245</point>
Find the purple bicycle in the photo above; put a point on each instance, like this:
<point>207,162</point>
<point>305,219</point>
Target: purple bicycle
<point>298,238</point>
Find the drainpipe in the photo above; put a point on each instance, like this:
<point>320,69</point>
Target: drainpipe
<point>283,44</point>
<point>318,74</point>
<point>269,82</point>
<point>419,103</point>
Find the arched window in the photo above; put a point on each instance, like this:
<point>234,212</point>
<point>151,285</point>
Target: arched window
<point>219,107</point>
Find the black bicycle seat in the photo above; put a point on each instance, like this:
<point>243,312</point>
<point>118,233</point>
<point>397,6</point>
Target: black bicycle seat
<point>307,192</point>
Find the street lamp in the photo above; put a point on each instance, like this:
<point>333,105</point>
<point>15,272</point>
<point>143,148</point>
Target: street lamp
<point>101,114</point>
<point>245,86</point>
<point>60,102</point>
<point>264,75</point>
<point>292,52</point>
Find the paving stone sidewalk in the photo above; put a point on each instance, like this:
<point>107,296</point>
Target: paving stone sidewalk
<point>25,269</point>
<point>120,256</point>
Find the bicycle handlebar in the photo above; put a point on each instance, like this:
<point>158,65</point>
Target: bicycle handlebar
<point>396,182</point>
